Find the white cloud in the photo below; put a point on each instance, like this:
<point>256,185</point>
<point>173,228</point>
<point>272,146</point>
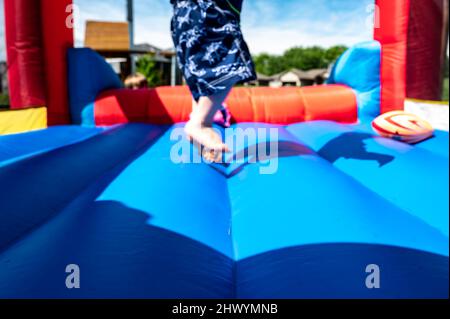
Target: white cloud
<point>153,23</point>
<point>273,28</point>
<point>269,25</point>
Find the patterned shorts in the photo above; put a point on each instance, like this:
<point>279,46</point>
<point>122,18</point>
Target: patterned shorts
<point>211,50</point>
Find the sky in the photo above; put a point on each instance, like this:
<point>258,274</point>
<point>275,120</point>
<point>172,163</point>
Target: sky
<point>270,26</point>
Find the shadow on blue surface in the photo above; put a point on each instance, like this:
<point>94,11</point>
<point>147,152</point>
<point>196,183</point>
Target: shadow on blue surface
<point>351,146</point>
<point>339,271</point>
<point>42,185</point>
<point>260,152</point>
<point>121,255</point>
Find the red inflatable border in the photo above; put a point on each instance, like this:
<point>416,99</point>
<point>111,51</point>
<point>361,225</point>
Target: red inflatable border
<point>287,105</point>
<point>37,38</point>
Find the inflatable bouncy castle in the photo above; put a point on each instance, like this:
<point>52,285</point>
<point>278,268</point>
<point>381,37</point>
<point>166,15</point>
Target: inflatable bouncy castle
<point>89,180</point>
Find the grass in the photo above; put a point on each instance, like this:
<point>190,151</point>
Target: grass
<point>445,91</point>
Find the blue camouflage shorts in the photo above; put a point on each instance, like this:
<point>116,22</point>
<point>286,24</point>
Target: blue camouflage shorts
<point>210,47</point>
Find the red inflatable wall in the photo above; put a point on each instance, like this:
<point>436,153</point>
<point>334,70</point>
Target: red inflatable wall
<point>57,38</point>
<point>392,33</point>
<point>24,50</point>
<point>168,105</point>
<point>37,38</point>
<point>427,46</point>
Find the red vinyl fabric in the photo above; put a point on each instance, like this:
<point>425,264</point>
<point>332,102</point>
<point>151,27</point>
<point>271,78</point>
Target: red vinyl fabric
<point>37,38</point>
<point>57,36</point>
<point>427,44</point>
<point>168,105</point>
<point>392,33</point>
<point>26,75</point>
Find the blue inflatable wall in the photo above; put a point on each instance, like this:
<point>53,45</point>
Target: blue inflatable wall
<point>89,75</point>
<point>359,68</point>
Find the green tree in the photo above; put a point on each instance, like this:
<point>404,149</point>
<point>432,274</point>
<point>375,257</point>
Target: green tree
<point>299,58</point>
<point>269,64</point>
<point>333,53</point>
<point>446,67</point>
<point>146,66</point>
<point>305,58</point>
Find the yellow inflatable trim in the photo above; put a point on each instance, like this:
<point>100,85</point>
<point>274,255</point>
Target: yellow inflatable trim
<point>20,121</point>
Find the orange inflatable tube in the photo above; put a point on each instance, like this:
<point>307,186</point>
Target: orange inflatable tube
<point>168,105</point>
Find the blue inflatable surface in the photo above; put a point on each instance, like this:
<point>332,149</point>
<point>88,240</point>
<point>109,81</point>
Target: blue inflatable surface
<point>359,68</point>
<point>89,76</point>
<point>141,226</point>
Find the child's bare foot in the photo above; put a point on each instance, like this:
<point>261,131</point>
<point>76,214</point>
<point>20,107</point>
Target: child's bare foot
<point>207,140</point>
<point>214,155</point>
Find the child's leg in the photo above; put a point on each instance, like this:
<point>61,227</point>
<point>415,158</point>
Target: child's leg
<point>204,111</point>
<point>199,127</point>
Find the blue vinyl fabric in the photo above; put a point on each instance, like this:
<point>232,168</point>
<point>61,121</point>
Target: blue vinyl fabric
<point>359,68</point>
<point>141,226</point>
<point>88,76</point>
<point>19,146</point>
<point>396,171</point>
